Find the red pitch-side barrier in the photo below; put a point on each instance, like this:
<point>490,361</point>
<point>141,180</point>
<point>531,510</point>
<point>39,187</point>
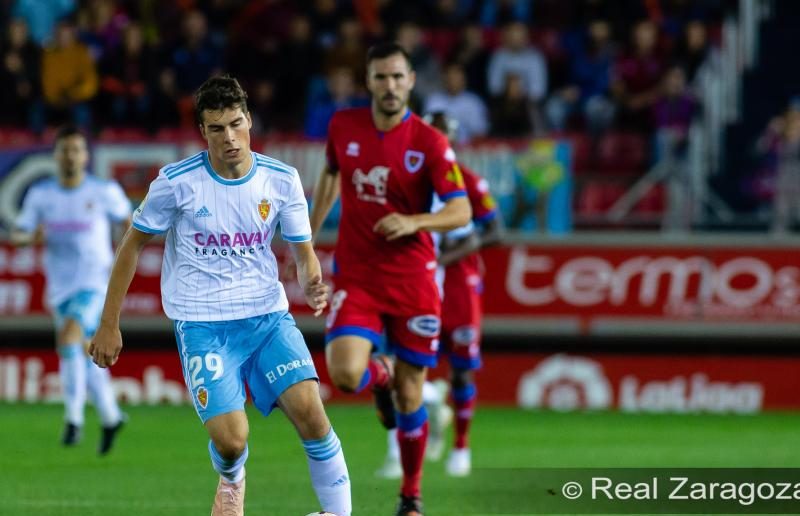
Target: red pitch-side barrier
<point>644,383</point>
<point>552,287</point>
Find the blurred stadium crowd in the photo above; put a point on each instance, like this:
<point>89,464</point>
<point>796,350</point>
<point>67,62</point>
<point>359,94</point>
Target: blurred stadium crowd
<point>503,68</point>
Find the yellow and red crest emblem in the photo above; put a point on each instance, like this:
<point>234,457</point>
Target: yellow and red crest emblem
<point>263,209</point>
<point>202,397</point>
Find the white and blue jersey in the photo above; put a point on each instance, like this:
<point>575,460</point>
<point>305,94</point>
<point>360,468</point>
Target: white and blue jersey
<point>218,264</point>
<point>77,226</point>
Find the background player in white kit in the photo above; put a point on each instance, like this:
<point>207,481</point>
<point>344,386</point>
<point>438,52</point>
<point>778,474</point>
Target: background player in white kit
<point>219,283</point>
<point>73,215</point>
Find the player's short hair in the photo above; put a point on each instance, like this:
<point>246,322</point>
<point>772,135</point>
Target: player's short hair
<point>386,49</point>
<point>217,93</point>
<point>66,131</point>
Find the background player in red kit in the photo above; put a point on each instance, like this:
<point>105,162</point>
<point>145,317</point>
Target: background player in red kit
<point>461,307</point>
<point>386,163</point>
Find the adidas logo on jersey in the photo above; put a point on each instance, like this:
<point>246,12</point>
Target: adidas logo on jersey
<point>202,212</point>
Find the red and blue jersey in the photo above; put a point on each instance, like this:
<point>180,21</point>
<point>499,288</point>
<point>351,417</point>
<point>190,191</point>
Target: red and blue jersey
<point>384,172</point>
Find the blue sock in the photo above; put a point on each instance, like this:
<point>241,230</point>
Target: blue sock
<point>230,470</point>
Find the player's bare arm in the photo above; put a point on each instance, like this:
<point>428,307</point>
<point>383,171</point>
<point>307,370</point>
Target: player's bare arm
<point>455,213</point>
<point>326,192</point>
<point>309,274</point>
<point>21,238</point>
<point>107,342</point>
<point>453,250</point>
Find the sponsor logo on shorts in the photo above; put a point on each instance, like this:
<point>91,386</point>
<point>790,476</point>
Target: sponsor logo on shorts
<point>282,369</point>
<point>425,325</point>
<point>202,396</point>
<point>465,335</point>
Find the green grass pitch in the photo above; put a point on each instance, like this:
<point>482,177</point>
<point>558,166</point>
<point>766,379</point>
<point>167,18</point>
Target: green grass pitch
<point>160,465</point>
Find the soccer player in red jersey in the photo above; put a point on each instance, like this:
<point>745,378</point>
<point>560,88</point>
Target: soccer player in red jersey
<point>462,308</point>
<point>386,164</point>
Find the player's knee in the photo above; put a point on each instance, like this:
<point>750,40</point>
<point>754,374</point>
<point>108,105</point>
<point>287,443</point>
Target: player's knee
<point>346,377</point>
<point>408,397</point>
<point>311,421</point>
<point>231,446</point>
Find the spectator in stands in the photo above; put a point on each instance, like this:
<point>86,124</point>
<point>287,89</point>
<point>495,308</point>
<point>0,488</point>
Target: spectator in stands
<point>785,135</point>
<point>341,93</point>
<point>349,50</point>
<point>69,77</point>
<point>262,106</point>
<point>637,77</point>
<point>589,82</point>
<point>673,113</point>
<point>518,57</point>
<point>423,61</point>
<point>41,16</point>
<point>325,18</point>
<point>467,108</point>
<point>164,107</point>
<point>101,25</point>
<point>20,94</point>
<point>471,53</point>
<point>496,13</point>
<point>694,49</point>
<point>127,76</point>
<point>300,61</point>
<point>192,62</point>
<point>513,112</point>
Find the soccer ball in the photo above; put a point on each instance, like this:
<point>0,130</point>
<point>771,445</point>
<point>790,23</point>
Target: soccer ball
<point>321,514</point>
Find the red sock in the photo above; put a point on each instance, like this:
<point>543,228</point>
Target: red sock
<point>412,453</point>
<point>374,376</point>
<point>464,411</point>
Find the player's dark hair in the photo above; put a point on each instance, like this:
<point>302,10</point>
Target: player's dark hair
<point>386,49</point>
<point>65,131</point>
<point>218,93</point>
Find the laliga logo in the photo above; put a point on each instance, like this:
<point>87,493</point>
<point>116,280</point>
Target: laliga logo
<point>565,383</point>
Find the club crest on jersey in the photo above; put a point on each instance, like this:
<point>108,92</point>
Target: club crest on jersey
<point>353,149</point>
<point>424,325</point>
<point>202,397</point>
<point>414,160</point>
<point>263,209</point>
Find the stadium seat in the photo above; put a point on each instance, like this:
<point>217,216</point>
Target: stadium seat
<point>622,153</point>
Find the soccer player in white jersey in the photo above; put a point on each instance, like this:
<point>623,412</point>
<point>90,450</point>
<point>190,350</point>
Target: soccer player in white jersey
<point>219,283</point>
<point>73,215</point>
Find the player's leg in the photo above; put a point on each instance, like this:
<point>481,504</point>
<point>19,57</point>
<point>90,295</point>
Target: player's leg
<point>440,415</point>
<point>353,329</point>
<point>72,372</point>
<point>282,373</point>
<point>212,355</point>
<point>413,334</point>
<point>459,463</point>
<point>228,450</point>
<point>412,433</point>
<point>462,311</point>
<point>326,464</point>
<point>98,380</point>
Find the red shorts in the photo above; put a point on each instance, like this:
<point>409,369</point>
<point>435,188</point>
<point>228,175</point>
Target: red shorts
<point>461,317</point>
<point>410,313</point>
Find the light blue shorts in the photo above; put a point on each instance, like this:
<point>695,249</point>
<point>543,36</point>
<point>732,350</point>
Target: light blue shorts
<point>85,307</point>
<point>266,352</point>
